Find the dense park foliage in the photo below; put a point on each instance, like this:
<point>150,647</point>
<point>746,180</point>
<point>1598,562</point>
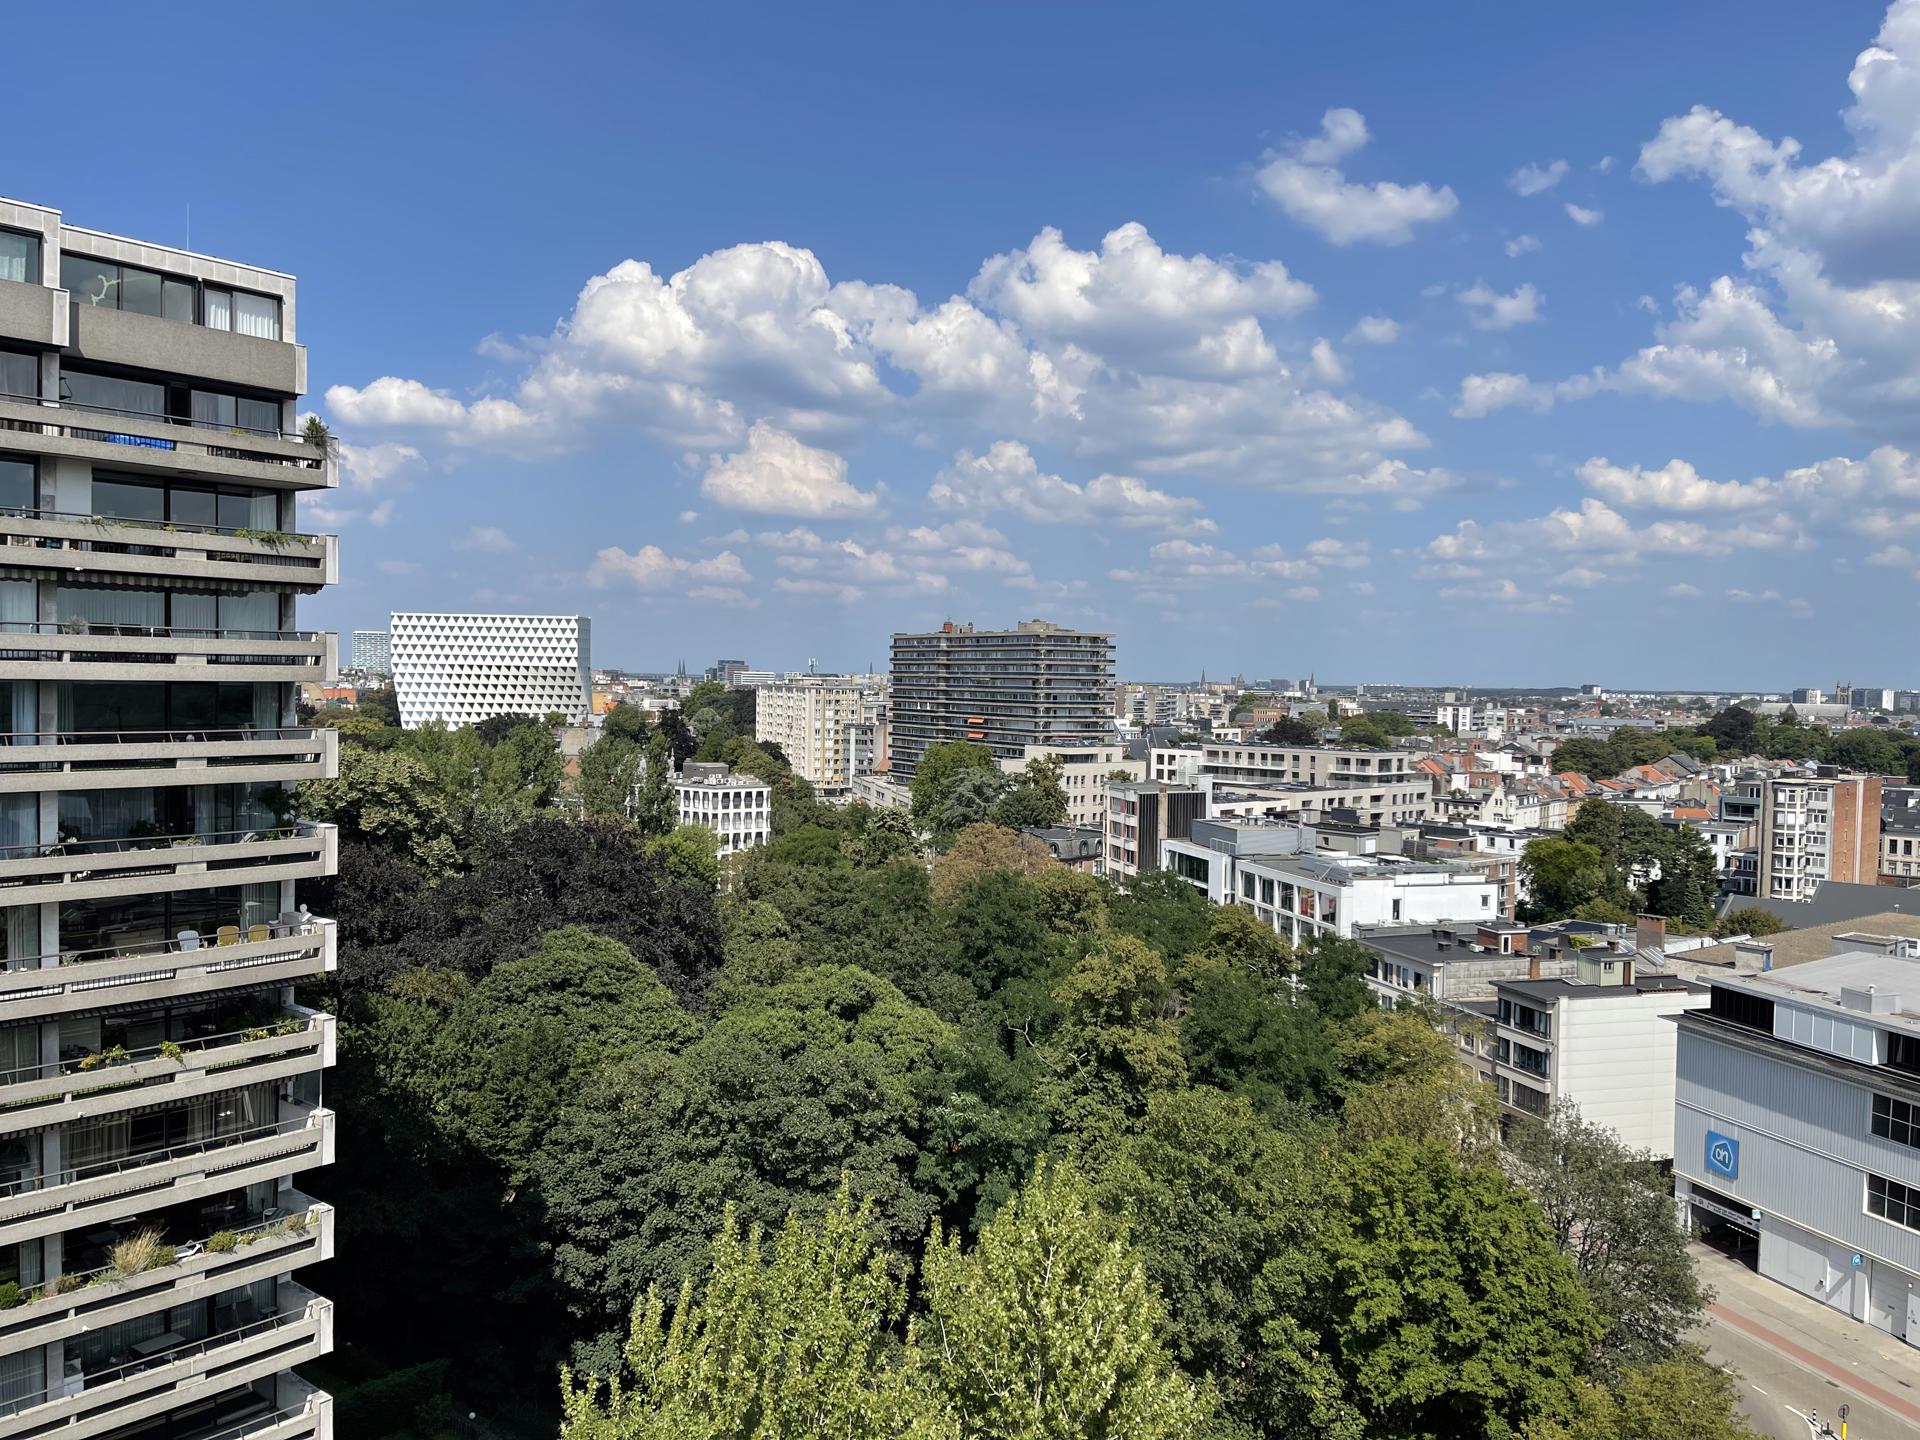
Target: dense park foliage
<point>907,1131</point>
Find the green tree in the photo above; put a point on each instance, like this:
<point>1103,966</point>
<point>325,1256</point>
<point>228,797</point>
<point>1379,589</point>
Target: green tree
<point>1750,920</point>
<point>1561,875</point>
<point>379,704</point>
<point>656,805</point>
<point>387,799</point>
<point>981,849</point>
<point>1050,1329</point>
<point>1682,1395</point>
<point>1434,1299</point>
<point>1116,1045</point>
<point>1036,799</point>
<point>1689,880</point>
<point>1246,1035</point>
<point>934,776</point>
<point>1401,1076</point>
<point>971,798</point>
<point>691,854</point>
<point>1610,1211</point>
<point>1290,730</point>
<point>1211,1193</point>
<point>625,722</point>
<point>609,769</point>
<point>1163,910</point>
<point>788,1346</point>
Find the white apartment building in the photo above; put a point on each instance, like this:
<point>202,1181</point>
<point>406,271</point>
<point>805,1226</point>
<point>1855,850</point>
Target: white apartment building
<point>1599,1039</point>
<point>736,808</point>
<point>462,669</point>
<point>1382,787</point>
<point>1797,1128</point>
<point>817,721</point>
<point>1295,879</point>
<point>1085,771</point>
<point>1815,828</point>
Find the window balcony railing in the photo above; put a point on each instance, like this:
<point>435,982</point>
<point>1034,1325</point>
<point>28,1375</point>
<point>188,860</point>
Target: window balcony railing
<point>76,1301</point>
<point>80,869</point>
<point>291,948</point>
<point>115,1187</point>
<point>42,760</point>
<point>114,1078</point>
<point>52,539</point>
<point>71,649</point>
<point>124,1392</point>
<point>194,441</point>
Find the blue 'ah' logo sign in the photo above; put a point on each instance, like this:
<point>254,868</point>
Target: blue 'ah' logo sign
<point>1723,1155</point>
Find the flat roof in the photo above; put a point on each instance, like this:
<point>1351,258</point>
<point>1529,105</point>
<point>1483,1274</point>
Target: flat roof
<point>1821,981</point>
<point>1552,989</point>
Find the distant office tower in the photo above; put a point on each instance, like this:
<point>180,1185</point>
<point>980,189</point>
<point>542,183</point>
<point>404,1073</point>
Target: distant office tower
<point>815,722</point>
<point>1036,684</point>
<point>462,669</point>
<point>160,1087</point>
<point>373,651</point>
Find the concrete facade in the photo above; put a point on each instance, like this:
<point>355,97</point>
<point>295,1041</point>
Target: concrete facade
<point>462,669</point>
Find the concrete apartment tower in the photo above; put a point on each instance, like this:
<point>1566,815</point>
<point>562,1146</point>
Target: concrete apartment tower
<point>1036,684</point>
<point>160,1089</point>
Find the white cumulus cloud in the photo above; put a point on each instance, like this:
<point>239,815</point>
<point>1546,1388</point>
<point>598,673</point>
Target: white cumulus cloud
<point>1305,181</point>
<point>777,474</point>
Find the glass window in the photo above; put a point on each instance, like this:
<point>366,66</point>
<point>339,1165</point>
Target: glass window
<point>1896,1120</point>
<point>128,500</point>
<point>139,291</point>
<point>19,257</point>
<point>18,488</point>
<point>111,605</point>
<point>260,415</point>
<point>19,374</point>
<point>1891,1200</point>
<point>176,299</point>
<point>192,507</point>
<point>217,411</point>
<point>90,281</point>
<point>219,309</point>
<point>111,392</point>
<point>256,315</point>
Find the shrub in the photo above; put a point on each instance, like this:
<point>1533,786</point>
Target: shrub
<point>222,1242</point>
<point>169,1050</point>
<point>67,1284</point>
<point>10,1295</point>
<point>141,1251</point>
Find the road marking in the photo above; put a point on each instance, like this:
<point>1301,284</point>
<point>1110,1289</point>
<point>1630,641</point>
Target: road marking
<point>1819,1364</point>
<point>1758,1391</point>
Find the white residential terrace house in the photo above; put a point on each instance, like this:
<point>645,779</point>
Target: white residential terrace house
<point>1303,880</point>
<point>157,1076</point>
<point>736,808</point>
<point>1797,1127</point>
<point>1602,1039</point>
<point>1381,786</point>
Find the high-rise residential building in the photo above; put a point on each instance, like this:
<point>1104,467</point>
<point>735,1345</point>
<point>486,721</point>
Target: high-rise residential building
<point>817,723</point>
<point>1815,828</point>
<point>373,652</point>
<point>1036,684</point>
<point>463,669</point>
<point>160,1088</point>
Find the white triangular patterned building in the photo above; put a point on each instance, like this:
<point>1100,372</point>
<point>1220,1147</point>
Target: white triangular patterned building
<point>463,669</point>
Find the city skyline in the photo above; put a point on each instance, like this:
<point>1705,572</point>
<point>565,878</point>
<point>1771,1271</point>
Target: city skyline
<point>1306,375</point>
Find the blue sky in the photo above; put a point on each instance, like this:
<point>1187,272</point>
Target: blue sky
<point>1501,343</point>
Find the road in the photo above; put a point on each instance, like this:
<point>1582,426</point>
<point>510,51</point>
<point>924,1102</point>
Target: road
<point>1778,1388</point>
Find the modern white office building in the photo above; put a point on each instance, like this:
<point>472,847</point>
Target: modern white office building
<point>462,669</point>
<point>737,808</point>
<point>160,1088</point>
<point>1797,1127</point>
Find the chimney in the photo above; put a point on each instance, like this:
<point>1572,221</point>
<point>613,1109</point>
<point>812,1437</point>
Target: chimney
<point>1626,971</point>
<point>1533,967</point>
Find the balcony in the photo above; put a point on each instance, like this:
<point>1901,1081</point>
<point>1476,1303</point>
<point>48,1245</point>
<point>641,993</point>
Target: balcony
<point>79,650</point>
<point>46,986</point>
<point>156,443</point>
<point>75,1303</point>
<point>91,869</point>
<point>111,1189</point>
<point>175,1071</point>
<point>75,544</point>
<point>153,342</point>
<point>32,762</point>
<point>83,1406</point>
<point>35,313</point>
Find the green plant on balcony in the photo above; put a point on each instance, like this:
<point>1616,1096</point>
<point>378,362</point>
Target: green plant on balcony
<point>257,1032</point>
<point>170,1050</point>
<point>74,624</point>
<point>11,1295</point>
<point>292,1025</point>
<point>67,1284</point>
<point>222,1242</point>
<point>143,1250</point>
<point>112,1055</point>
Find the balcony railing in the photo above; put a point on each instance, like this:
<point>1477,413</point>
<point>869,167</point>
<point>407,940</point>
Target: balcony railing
<point>71,649</point>
<point>194,443</point>
<point>288,949</point>
<point>43,760</point>
<point>54,538</point>
<point>121,1164</point>
<point>147,416</point>
<point>87,869</point>
<point>133,1389</point>
<point>77,1301</point>
<point>115,1078</point>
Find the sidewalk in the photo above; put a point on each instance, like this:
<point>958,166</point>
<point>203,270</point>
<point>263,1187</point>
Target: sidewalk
<point>1865,1363</point>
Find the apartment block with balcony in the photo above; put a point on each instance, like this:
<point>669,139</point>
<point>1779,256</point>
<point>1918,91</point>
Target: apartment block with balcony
<point>1382,787</point>
<point>738,809</point>
<point>160,1087</point>
<point>1036,684</point>
<point>1086,769</point>
<point>1140,817</point>
<point>1814,828</point>
<point>822,724</point>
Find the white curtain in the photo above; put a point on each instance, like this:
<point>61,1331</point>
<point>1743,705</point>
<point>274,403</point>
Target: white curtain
<point>266,707</point>
<point>23,711</point>
<point>112,605</point>
<point>19,603</point>
<point>256,315</point>
<point>23,931</point>
<point>257,610</point>
<point>217,411</point>
<point>20,827</point>
<point>218,308</point>
<point>17,254</point>
<point>23,1378</point>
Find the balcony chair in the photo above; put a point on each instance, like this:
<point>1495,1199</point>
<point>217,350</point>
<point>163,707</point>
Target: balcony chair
<point>228,935</point>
